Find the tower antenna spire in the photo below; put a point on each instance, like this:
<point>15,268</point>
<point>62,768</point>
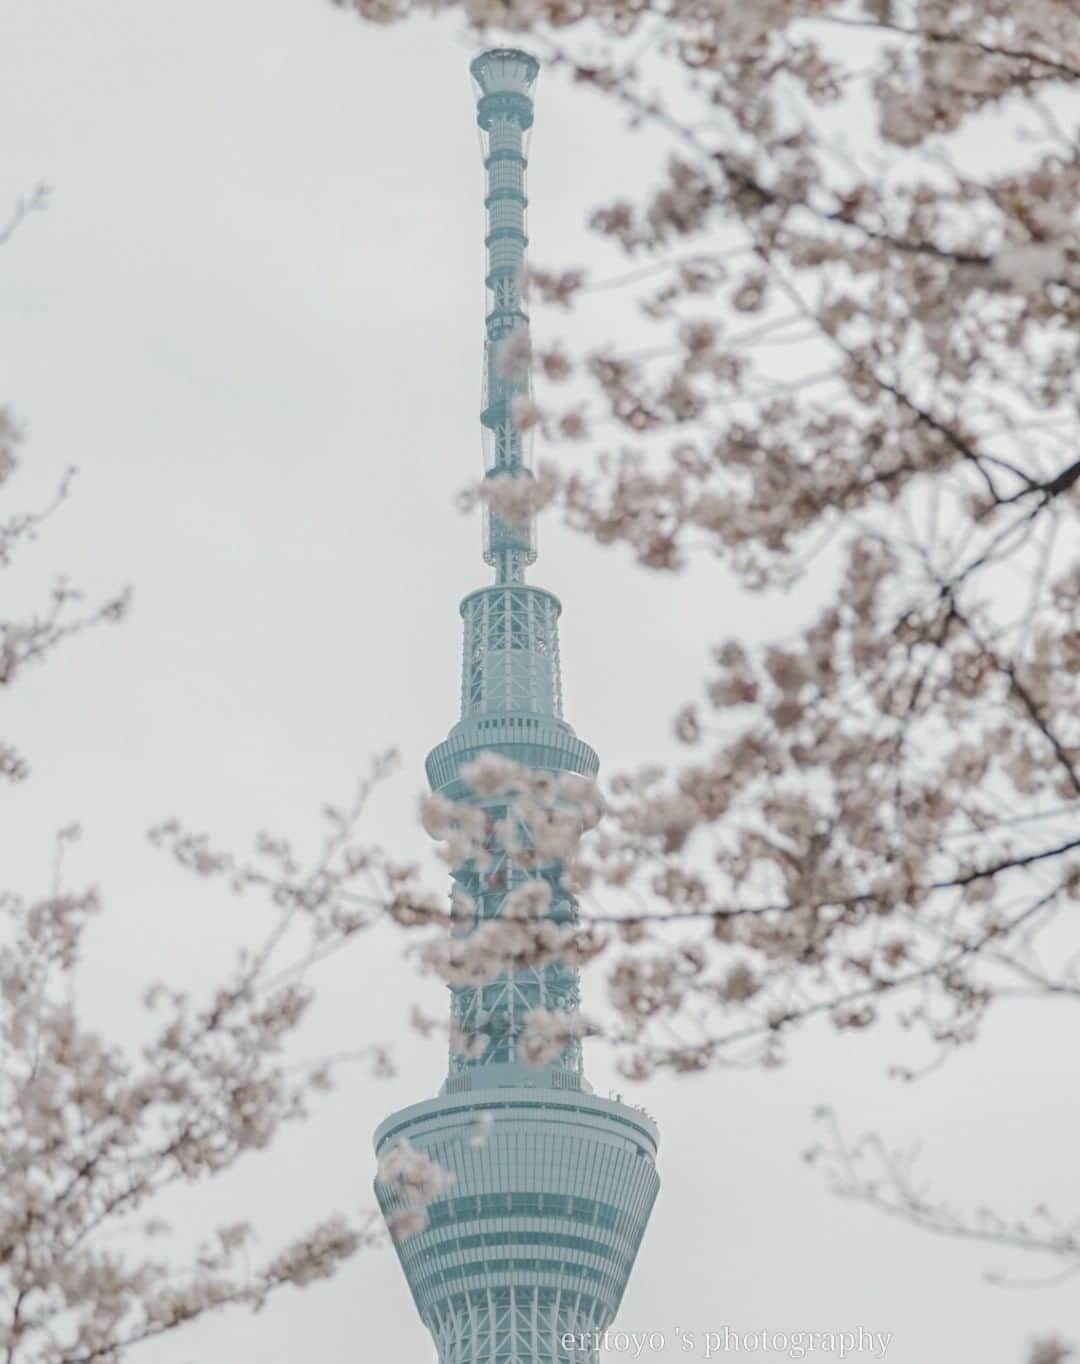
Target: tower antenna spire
<point>504,79</point>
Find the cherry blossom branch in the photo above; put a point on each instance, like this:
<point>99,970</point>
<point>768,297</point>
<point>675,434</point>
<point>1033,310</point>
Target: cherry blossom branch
<point>954,39</point>
<point>36,202</point>
<point>889,1187</point>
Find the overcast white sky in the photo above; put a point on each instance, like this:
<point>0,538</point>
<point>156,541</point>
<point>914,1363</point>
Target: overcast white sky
<point>253,318</point>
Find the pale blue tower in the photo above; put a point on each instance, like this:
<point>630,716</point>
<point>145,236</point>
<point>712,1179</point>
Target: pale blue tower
<point>529,1250</point>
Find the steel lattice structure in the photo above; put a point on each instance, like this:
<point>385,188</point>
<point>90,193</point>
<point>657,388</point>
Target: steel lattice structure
<point>526,1256</point>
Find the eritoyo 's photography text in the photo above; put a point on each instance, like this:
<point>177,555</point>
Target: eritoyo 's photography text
<point>711,1344</point>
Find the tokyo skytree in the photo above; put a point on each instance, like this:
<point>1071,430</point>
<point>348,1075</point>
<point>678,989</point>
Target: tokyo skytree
<point>525,1256</point>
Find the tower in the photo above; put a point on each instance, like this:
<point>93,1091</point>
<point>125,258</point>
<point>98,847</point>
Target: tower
<point>525,1256</point>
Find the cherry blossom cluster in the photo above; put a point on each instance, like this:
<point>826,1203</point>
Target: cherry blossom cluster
<point>411,1181</point>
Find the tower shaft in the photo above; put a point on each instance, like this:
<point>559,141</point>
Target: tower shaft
<point>526,1256</point>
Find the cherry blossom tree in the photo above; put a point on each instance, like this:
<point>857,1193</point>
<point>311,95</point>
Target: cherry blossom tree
<point>885,803</point>
<point>865,357</point>
<point>94,1133</point>
<point>858,276</point>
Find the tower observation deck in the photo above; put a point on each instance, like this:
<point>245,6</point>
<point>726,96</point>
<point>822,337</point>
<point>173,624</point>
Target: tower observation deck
<point>524,1259</point>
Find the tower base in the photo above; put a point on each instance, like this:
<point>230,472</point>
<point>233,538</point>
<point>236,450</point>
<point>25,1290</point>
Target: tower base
<point>528,1252</point>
